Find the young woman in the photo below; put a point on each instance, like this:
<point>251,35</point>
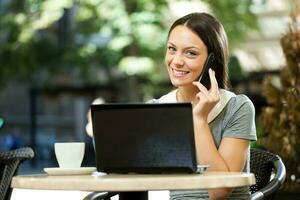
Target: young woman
<point>223,122</point>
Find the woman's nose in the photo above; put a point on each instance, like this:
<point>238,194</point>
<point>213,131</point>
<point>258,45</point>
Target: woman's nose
<point>178,60</point>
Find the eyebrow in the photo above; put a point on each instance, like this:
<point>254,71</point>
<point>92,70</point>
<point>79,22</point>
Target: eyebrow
<point>190,47</point>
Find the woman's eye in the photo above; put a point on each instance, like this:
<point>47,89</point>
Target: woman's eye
<point>191,53</point>
<point>172,49</point>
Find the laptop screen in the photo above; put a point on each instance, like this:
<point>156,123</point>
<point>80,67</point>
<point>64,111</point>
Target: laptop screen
<point>144,138</point>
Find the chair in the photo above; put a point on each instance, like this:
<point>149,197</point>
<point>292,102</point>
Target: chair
<point>9,163</point>
<point>262,164</point>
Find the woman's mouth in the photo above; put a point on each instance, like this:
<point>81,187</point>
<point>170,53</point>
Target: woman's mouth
<point>179,73</point>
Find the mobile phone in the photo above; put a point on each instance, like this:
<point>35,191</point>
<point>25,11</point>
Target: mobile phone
<point>204,77</point>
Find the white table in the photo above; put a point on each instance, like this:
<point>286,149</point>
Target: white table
<point>135,182</point>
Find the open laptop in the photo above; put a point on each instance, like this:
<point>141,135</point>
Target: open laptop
<point>144,138</point>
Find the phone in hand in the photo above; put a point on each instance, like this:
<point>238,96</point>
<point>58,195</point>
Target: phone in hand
<point>204,77</point>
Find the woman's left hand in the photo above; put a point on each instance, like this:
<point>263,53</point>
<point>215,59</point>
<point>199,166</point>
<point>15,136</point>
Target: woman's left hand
<point>206,99</point>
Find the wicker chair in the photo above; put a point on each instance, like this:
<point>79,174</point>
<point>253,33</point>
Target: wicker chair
<point>262,164</point>
<point>9,163</point>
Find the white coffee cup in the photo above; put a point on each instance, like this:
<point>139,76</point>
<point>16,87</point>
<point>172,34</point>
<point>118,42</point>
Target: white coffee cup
<point>69,154</point>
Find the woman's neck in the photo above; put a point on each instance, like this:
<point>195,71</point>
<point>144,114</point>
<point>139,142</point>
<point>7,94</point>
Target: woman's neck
<point>186,94</point>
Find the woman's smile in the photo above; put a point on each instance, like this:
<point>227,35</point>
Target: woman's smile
<point>179,73</point>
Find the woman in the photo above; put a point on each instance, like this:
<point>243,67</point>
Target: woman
<point>223,122</point>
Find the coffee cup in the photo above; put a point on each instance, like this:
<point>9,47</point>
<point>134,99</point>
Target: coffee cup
<point>69,154</point>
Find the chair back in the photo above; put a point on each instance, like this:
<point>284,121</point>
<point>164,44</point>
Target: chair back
<point>9,163</point>
<point>263,164</point>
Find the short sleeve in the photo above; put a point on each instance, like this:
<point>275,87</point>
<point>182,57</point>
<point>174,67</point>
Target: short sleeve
<point>240,119</point>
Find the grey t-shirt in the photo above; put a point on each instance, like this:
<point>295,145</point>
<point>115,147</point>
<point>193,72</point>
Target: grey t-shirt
<point>236,120</point>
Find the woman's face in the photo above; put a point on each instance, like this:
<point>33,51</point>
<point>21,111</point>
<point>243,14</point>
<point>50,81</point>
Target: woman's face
<point>185,56</point>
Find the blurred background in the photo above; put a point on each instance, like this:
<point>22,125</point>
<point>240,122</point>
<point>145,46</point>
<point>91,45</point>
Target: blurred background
<point>57,56</point>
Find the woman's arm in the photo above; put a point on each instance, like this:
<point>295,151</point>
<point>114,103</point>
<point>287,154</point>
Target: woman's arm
<point>231,155</point>
<point>232,152</point>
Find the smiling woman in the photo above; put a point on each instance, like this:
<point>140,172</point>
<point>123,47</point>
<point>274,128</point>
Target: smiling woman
<point>223,122</point>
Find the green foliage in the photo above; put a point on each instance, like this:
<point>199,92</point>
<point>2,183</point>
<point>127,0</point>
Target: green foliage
<point>236,17</point>
<point>42,39</point>
<point>235,69</point>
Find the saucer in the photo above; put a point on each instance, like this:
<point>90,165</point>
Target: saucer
<point>69,171</point>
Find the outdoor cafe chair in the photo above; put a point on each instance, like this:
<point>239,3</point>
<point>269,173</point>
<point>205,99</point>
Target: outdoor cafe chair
<point>263,164</point>
<point>9,164</point>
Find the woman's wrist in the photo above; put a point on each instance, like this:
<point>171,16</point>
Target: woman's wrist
<point>200,120</point>
<point>200,115</point>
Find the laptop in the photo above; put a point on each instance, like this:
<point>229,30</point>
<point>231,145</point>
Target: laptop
<point>144,138</point>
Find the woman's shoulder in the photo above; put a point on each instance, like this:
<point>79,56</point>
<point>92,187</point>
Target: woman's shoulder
<point>241,99</point>
<point>240,102</point>
<point>239,118</point>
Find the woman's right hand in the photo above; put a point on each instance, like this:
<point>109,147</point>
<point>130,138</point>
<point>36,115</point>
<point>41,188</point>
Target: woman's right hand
<point>206,99</point>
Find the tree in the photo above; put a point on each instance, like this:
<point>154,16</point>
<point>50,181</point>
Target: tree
<point>41,40</point>
<point>281,118</point>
